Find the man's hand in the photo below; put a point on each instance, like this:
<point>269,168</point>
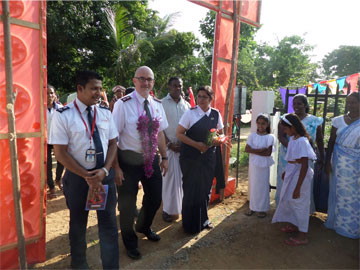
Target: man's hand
<point>164,166</point>
<point>175,147</point>
<point>96,177</point>
<point>119,176</point>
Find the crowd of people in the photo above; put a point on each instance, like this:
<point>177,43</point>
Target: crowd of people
<point>164,145</point>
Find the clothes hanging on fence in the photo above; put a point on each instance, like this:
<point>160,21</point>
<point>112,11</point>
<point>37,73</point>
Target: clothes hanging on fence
<point>291,91</point>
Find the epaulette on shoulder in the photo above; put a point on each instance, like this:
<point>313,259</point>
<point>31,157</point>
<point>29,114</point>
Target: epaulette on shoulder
<point>63,109</point>
<point>126,98</point>
<point>104,107</point>
<point>158,100</point>
<point>193,108</point>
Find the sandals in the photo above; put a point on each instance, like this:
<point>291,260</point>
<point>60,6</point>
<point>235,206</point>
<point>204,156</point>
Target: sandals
<point>296,242</point>
<point>209,226</point>
<point>261,215</point>
<point>59,184</point>
<point>289,229</point>
<point>52,194</point>
<point>249,213</point>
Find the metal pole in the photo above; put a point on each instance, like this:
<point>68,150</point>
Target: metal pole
<point>10,102</point>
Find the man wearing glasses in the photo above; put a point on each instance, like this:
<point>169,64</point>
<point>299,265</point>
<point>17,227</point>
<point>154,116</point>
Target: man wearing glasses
<point>140,120</point>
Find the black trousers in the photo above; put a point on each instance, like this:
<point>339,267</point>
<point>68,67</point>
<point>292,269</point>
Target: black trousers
<point>127,194</point>
<point>75,191</point>
<point>59,169</point>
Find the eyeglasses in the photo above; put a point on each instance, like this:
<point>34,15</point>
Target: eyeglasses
<point>203,97</point>
<point>142,79</point>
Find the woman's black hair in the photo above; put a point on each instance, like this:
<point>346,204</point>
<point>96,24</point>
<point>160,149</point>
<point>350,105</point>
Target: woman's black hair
<point>265,118</point>
<point>206,89</point>
<point>298,125</point>
<point>304,100</point>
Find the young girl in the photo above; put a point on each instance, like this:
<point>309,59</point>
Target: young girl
<point>294,203</point>
<point>260,145</point>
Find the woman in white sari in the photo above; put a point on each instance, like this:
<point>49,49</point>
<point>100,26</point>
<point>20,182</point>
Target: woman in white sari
<point>344,195</point>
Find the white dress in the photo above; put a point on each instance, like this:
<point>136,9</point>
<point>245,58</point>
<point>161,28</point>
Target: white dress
<point>296,211</point>
<point>259,172</point>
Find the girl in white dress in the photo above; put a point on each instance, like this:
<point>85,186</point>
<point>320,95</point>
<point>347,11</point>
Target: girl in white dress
<point>260,145</point>
<point>294,203</point>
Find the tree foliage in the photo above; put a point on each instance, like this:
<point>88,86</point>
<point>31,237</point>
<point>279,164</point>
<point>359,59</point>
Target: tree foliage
<point>342,62</point>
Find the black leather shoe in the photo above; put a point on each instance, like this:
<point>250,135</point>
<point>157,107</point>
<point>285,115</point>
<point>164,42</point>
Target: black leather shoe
<point>134,254</point>
<point>151,235</point>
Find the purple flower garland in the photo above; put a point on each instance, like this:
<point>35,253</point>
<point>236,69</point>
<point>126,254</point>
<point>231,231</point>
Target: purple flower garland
<point>148,141</point>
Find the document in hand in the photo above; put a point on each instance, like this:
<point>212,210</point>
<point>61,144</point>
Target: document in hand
<point>97,201</point>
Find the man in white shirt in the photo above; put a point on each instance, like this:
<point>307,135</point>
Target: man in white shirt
<point>84,138</point>
<point>52,106</point>
<point>140,120</point>
<point>172,192</point>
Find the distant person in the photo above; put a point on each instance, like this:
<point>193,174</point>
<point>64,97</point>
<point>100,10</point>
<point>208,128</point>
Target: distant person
<point>172,192</point>
<point>52,106</point>
<point>260,145</point>
<point>140,120</point>
<point>119,92</point>
<point>84,138</point>
<point>129,90</point>
<point>344,170</point>
<point>294,203</point>
<point>198,160</point>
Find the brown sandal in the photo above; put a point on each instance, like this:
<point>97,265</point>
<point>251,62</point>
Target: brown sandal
<point>59,184</point>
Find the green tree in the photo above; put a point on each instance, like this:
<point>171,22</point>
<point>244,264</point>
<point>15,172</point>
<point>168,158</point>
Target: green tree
<point>342,61</point>
<point>76,39</point>
<point>287,64</point>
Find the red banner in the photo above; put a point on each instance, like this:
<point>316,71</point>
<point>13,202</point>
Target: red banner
<point>28,42</point>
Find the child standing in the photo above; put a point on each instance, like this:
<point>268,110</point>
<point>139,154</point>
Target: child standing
<point>260,145</point>
<point>294,203</point>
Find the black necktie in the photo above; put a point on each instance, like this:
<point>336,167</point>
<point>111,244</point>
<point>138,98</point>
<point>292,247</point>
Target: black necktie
<point>97,142</point>
<point>148,114</point>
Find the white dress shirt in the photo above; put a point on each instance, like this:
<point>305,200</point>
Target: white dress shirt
<point>173,112</point>
<point>67,128</point>
<point>190,117</point>
<point>126,113</point>
<point>49,114</point>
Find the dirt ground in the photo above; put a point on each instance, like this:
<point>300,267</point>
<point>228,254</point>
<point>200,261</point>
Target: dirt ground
<point>236,242</point>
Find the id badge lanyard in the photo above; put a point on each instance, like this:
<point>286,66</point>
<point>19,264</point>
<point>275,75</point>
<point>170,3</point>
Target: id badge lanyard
<point>93,123</point>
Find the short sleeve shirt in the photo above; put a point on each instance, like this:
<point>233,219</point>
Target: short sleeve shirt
<point>68,128</point>
<point>190,117</point>
<point>173,112</point>
<point>126,113</point>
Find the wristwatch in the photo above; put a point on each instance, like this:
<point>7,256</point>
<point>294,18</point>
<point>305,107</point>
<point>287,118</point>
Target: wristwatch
<point>106,171</point>
<point>164,158</point>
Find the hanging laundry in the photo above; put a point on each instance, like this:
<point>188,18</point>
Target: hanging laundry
<point>341,83</point>
<point>291,91</point>
<point>353,80</point>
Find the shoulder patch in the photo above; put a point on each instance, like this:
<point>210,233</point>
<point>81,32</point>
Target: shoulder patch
<point>104,107</point>
<point>156,99</point>
<point>126,98</point>
<point>63,109</point>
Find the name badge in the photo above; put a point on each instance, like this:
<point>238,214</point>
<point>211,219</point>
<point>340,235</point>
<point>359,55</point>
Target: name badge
<point>90,155</point>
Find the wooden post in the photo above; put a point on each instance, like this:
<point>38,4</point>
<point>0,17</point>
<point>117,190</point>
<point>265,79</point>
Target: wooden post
<point>316,99</point>
<point>10,104</point>
<point>238,137</point>
<point>232,76</point>
<point>287,100</point>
